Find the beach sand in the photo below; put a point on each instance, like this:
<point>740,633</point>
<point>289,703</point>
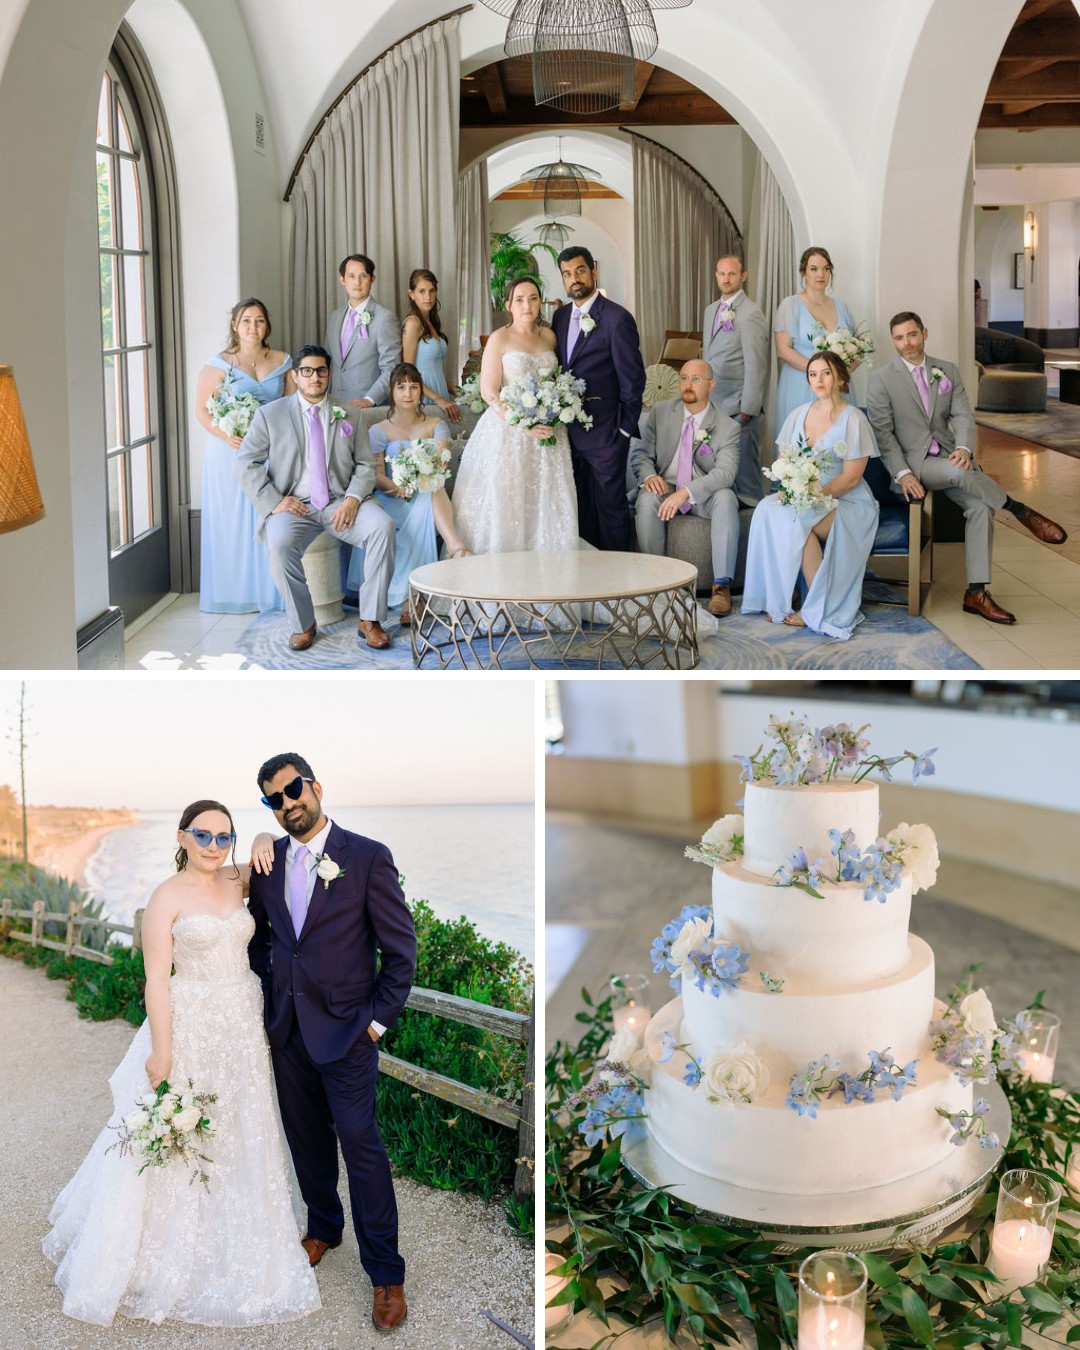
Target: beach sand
<point>69,859</point>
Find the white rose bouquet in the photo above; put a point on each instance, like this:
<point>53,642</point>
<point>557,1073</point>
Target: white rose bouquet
<point>470,396</point>
<point>850,347</point>
<point>231,411</point>
<point>798,469</point>
<point>420,466</point>
<point>544,401</point>
<point>166,1124</point>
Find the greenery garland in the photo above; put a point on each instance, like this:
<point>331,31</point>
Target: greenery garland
<point>715,1283</point>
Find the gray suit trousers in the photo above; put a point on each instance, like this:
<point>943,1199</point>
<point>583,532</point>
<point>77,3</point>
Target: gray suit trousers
<point>289,536</point>
<point>722,512</point>
<point>978,496</point>
<point>749,485</point>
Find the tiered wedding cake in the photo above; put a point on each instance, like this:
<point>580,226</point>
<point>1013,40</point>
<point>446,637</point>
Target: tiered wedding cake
<point>798,1057</point>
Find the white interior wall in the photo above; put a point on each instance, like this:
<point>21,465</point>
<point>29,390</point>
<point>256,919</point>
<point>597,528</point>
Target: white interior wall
<point>649,721</point>
<point>605,227</point>
<point>999,236</point>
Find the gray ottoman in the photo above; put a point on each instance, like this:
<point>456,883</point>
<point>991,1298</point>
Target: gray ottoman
<point>1011,391</point>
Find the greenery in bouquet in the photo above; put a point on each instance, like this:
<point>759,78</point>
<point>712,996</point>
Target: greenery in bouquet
<point>422,465</point>
<point>850,347</point>
<point>545,401</point>
<point>166,1124</point>
<point>230,410</point>
<point>798,468</point>
<point>470,396</point>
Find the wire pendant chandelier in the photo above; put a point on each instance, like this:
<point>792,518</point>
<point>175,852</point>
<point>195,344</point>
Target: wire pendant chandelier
<point>562,182</point>
<point>555,234</point>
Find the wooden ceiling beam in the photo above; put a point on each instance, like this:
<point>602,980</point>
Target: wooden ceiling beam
<point>1053,38</point>
<point>1059,83</point>
<point>691,110</point>
<point>643,73</point>
<point>1045,116</point>
<point>490,83</point>
<point>1015,109</point>
<point>1020,70</point>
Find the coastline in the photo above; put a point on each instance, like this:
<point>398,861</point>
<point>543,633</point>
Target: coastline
<point>69,858</point>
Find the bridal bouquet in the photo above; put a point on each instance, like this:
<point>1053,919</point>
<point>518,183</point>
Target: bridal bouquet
<point>849,347</point>
<point>231,411</point>
<point>420,466</point>
<point>544,400</point>
<point>470,396</point>
<point>798,470</point>
<point>166,1124</point>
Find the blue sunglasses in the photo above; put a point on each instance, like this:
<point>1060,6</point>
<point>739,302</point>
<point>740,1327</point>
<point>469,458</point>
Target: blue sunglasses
<point>204,839</point>
<point>275,801</point>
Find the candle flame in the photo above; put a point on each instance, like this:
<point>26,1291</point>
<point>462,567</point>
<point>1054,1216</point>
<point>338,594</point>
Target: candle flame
<point>1021,1235</point>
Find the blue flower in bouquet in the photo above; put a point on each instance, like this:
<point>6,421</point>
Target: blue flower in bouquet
<point>545,400</point>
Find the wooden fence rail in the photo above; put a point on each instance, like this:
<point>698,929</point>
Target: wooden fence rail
<point>515,1114</point>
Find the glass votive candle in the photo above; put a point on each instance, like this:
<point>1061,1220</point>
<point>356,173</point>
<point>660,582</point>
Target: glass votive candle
<point>628,1006</point>
<point>555,1318</point>
<point>1041,1047</point>
<point>1072,1173</point>
<point>1023,1228</point>
<point>832,1301</point>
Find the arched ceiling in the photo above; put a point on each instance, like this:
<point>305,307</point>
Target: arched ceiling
<point>609,155</point>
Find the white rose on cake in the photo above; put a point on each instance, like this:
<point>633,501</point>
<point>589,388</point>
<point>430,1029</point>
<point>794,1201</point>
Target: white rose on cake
<point>695,936</point>
<point>977,1014</point>
<point>921,854</point>
<point>734,1077</point>
<point>722,833</point>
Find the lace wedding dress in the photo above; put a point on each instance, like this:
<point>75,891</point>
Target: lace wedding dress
<point>513,494</point>
<point>160,1245</point>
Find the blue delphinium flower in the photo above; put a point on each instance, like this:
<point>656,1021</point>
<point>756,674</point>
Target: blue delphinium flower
<point>729,963</point>
<point>924,765</point>
<point>692,1072</point>
<point>841,843</point>
<point>667,1047</point>
<point>747,774</point>
<point>660,951</point>
<point>989,1140</point>
<point>855,1089</point>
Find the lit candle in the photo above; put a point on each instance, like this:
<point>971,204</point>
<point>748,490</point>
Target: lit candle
<point>555,1317</point>
<point>633,1015</point>
<point>832,1301</point>
<point>1019,1249</point>
<point>829,1327</point>
<point>1040,1047</point>
<point>1039,1068</point>
<point>629,1010</point>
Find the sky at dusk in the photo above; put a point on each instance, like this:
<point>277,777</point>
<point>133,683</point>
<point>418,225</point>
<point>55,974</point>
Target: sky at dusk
<point>156,743</point>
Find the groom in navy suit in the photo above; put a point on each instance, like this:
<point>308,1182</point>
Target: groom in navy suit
<point>598,342</point>
<point>335,949</point>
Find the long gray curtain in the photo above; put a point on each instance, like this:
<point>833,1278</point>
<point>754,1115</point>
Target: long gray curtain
<point>473,259</point>
<point>380,178</point>
<point>681,227</point>
<point>776,277</point>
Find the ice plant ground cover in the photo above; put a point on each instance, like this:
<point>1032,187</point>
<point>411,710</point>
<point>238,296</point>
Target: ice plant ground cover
<point>711,1283</point>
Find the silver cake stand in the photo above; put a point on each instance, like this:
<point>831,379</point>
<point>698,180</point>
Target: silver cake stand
<point>911,1212</point>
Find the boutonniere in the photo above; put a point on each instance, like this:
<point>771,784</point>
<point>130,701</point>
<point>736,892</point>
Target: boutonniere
<point>327,870</point>
<point>337,415</point>
<point>727,309</point>
<point>701,441</point>
<point>588,323</point>
<point>364,316</point>
<point>938,377</point>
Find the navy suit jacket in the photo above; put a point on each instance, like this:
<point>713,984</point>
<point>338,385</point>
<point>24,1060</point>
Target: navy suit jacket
<point>352,962</point>
<point>608,359</point>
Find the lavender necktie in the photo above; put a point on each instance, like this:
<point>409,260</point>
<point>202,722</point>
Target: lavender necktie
<point>924,394</point>
<point>298,880</point>
<point>575,331</point>
<point>684,470</point>
<point>319,486</point>
<point>348,328</point>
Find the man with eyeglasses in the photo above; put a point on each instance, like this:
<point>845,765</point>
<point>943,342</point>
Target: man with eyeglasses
<point>335,949</point>
<point>307,469</point>
<point>684,460</point>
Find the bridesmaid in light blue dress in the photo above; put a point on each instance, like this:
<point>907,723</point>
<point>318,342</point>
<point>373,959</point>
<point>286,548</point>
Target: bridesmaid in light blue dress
<point>799,320</point>
<point>424,345</point>
<point>829,549</point>
<point>234,573</point>
<point>417,519</point>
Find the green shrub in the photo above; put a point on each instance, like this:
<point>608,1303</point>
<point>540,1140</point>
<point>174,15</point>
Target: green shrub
<point>100,992</point>
<point>23,885</point>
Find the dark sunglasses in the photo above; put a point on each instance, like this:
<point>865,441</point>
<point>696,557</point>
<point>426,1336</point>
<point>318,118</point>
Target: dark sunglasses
<point>292,790</point>
<point>204,838</point>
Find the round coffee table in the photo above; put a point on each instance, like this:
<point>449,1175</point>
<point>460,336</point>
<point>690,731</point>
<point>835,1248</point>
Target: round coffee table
<point>580,608</point>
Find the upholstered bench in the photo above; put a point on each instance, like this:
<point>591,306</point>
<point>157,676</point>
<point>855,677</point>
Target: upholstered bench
<point>1003,389</point>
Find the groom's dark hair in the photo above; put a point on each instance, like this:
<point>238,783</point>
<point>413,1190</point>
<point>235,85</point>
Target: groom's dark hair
<point>278,762</point>
<point>577,251</point>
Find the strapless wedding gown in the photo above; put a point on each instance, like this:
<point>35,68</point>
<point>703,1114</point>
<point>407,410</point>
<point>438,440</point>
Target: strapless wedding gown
<point>512,493</point>
<point>160,1245</point>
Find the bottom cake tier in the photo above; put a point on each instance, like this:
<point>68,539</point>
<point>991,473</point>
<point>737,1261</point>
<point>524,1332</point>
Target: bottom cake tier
<point>767,1146</point>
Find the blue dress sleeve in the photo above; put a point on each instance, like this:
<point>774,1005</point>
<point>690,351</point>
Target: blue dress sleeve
<point>441,432</point>
<point>843,316</point>
<point>378,440</point>
<point>859,437</point>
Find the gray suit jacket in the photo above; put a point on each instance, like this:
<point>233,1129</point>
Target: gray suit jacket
<point>270,460</point>
<point>739,359</point>
<point>715,462</point>
<point>365,371</point>
<point>901,427</point>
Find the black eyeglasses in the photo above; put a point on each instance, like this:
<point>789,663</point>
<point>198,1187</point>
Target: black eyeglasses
<point>204,838</point>
<point>292,790</point>
<point>309,372</point>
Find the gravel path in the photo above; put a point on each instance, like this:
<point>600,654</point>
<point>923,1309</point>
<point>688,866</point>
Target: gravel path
<point>54,1099</point>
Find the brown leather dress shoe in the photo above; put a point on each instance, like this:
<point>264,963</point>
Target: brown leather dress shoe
<point>720,601</point>
<point>1042,527</point>
<point>388,1309</point>
<point>373,633</point>
<point>300,642</point>
<point>984,604</point>
<point>316,1248</point>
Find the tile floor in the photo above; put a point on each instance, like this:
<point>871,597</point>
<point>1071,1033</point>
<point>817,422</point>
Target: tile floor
<point>1039,583</point>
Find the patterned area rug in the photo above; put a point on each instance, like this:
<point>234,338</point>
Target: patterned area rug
<point>1058,427</point>
<point>889,639</point>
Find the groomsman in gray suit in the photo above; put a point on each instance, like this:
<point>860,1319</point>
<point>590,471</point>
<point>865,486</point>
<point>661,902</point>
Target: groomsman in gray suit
<point>684,459</point>
<point>306,469</point>
<point>364,338</point>
<point>735,342</point>
<point>925,431</point>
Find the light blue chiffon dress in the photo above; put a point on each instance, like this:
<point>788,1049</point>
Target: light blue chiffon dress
<point>234,571</point>
<point>793,317</point>
<point>431,363</point>
<point>777,536</point>
<point>414,520</point>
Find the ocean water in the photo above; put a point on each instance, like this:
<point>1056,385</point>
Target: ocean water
<point>475,861</point>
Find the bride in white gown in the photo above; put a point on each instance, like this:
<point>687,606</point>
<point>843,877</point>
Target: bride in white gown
<point>512,493</point>
<point>158,1245</point>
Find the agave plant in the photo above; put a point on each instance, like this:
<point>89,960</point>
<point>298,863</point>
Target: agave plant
<point>25,885</point>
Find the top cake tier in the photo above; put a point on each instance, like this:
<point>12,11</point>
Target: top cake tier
<point>779,820</point>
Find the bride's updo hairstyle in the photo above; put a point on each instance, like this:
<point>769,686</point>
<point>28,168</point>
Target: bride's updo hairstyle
<point>188,815</point>
<point>839,370</point>
<point>233,344</point>
<point>514,283</point>
<point>403,373</point>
